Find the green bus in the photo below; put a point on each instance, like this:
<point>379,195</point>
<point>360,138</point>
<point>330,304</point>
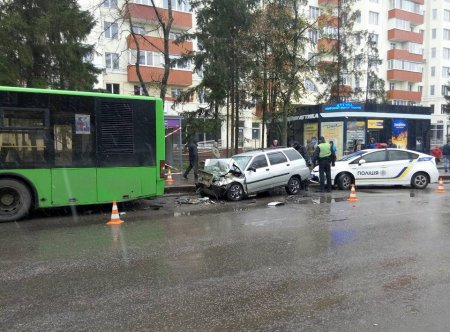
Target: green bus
<point>60,148</point>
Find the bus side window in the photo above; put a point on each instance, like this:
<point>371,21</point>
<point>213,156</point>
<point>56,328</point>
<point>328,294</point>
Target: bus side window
<point>63,145</point>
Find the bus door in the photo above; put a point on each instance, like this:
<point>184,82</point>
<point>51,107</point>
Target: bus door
<point>74,175</point>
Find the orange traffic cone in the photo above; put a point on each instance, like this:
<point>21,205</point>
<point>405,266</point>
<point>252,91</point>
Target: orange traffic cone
<point>115,218</point>
<point>353,197</point>
<point>169,177</point>
<point>440,188</point>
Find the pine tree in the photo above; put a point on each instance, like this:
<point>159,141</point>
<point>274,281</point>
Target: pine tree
<point>43,44</point>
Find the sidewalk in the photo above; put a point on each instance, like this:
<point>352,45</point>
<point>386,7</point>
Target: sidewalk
<point>181,185</point>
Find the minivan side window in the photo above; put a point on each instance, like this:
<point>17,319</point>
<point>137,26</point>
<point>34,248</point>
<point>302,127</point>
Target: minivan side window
<point>276,158</point>
<point>259,162</point>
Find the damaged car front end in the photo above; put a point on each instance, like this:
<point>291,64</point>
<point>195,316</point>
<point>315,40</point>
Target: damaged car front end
<point>222,178</point>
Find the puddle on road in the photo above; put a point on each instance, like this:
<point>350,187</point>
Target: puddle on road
<point>317,200</point>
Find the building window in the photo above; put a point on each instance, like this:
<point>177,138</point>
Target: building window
<point>446,15</point>
<point>446,53</point>
<point>112,60</point>
<point>180,63</point>
<point>431,90</point>
<point>391,86</point>
<point>433,71</point>
<point>433,33</point>
<point>314,12</point>
<point>446,34</point>
<point>111,30</point>
<point>178,5</point>
<point>433,52</point>
<point>138,30</point>
<point>147,58</point>
<point>445,72</point>
<point>373,38</point>
<point>436,134</point>
<point>444,90</point>
<point>176,92</point>
<point>174,35</point>
<point>313,36</point>
<point>420,88</point>
<point>255,130</point>
<point>113,88</point>
<point>434,14</point>
<point>310,86</point>
<point>109,3</point>
<point>444,109</point>
<point>138,90</point>
<point>373,18</point>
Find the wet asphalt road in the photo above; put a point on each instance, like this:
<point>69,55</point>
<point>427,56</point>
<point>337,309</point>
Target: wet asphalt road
<point>318,263</point>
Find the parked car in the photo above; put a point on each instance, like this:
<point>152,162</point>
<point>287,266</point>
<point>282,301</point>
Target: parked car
<point>385,167</point>
<point>252,172</point>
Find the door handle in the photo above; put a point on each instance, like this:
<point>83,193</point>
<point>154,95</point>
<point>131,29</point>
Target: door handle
<point>288,165</point>
<point>267,169</point>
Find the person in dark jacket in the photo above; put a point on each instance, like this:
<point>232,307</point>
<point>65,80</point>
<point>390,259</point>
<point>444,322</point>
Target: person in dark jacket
<point>302,150</point>
<point>446,155</point>
<point>390,144</point>
<point>193,160</point>
<point>323,155</point>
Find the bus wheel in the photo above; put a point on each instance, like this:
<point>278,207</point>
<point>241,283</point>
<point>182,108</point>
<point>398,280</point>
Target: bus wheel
<point>15,200</point>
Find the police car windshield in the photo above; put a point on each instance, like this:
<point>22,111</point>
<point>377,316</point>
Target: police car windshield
<point>353,155</point>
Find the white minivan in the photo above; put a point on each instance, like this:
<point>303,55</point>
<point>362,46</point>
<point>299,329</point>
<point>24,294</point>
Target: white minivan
<point>252,172</point>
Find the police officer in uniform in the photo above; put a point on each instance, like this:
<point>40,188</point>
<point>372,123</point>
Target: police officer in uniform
<point>323,155</point>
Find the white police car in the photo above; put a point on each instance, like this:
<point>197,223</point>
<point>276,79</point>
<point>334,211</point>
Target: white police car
<point>383,167</point>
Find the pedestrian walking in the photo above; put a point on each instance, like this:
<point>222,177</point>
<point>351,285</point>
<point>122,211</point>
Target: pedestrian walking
<point>446,155</point>
<point>193,160</point>
<point>323,155</point>
<point>436,152</point>
<point>215,150</point>
<point>333,153</point>
<point>390,144</point>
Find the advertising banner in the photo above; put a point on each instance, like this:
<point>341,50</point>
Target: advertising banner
<point>310,130</point>
<point>356,130</point>
<point>400,133</point>
<point>334,131</point>
<point>375,124</point>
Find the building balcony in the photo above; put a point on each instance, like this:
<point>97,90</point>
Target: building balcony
<point>404,55</point>
<point>404,95</point>
<point>155,44</point>
<point>328,20</point>
<point>327,44</point>
<point>414,18</point>
<point>144,13</point>
<point>343,91</point>
<point>420,2</point>
<point>333,3</point>
<point>155,74</point>
<point>405,36</point>
<point>404,76</point>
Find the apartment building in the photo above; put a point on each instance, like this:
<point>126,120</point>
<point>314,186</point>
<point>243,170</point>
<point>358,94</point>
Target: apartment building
<point>115,53</point>
<point>413,42</point>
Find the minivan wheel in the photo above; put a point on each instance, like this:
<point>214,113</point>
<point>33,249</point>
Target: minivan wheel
<point>419,181</point>
<point>344,181</point>
<point>235,192</point>
<point>293,186</point>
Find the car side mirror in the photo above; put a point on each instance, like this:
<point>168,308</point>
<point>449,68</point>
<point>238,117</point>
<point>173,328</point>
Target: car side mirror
<point>361,162</point>
<point>251,168</point>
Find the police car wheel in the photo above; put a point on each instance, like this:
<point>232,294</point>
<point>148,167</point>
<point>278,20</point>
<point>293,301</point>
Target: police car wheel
<point>419,181</point>
<point>293,186</point>
<point>344,181</point>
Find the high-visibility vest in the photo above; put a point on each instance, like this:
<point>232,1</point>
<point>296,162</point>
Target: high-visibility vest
<point>325,150</point>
